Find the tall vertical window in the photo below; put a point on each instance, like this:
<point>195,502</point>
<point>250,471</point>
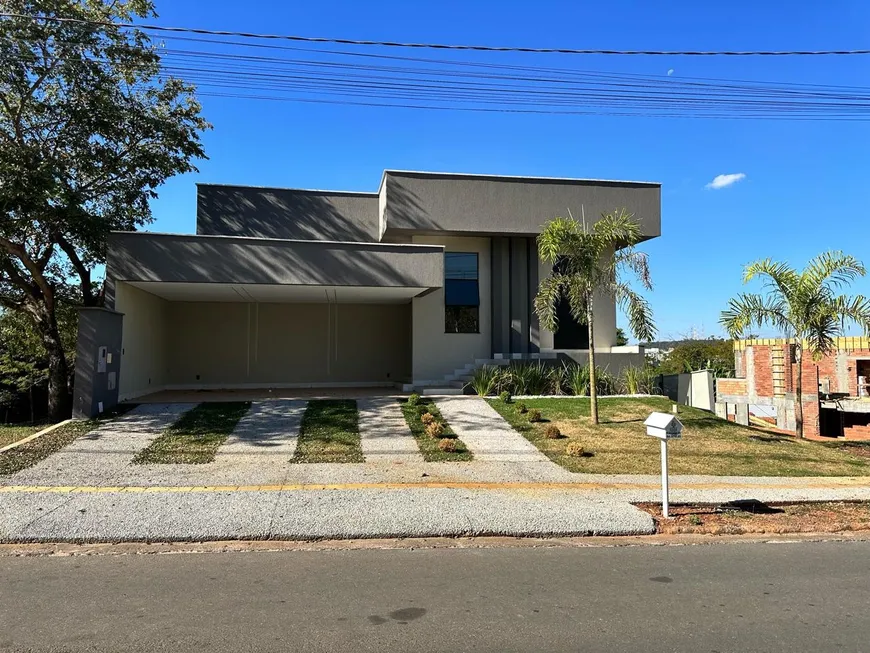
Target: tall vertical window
<point>461,293</point>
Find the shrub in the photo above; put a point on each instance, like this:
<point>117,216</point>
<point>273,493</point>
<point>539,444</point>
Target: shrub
<point>485,380</point>
<point>695,520</point>
<point>639,380</point>
<point>505,396</point>
<point>435,429</point>
<point>427,418</point>
<point>574,449</point>
<point>552,432</point>
<point>535,415</point>
<point>528,378</point>
<point>558,377</point>
<point>422,409</point>
<point>522,409</point>
<point>413,399</point>
<point>577,378</point>
<point>447,445</point>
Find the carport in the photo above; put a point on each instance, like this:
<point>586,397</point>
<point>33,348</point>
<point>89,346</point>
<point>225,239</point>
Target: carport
<point>224,313</point>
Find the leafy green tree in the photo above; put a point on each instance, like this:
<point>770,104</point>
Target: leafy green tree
<point>621,338</point>
<point>593,261</point>
<point>805,307</point>
<point>714,354</point>
<point>89,128</point>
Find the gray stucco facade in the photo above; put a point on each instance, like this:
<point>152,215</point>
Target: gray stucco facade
<point>336,287</point>
<point>98,361</point>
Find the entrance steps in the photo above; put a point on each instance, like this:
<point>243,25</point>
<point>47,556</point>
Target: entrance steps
<point>455,382</point>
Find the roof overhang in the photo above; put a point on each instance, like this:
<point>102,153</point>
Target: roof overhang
<point>247,262</point>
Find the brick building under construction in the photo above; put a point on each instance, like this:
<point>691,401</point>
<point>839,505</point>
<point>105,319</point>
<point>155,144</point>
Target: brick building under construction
<point>836,389</point>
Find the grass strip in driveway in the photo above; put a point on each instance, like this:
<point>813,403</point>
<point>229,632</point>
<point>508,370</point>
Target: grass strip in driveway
<point>428,445</point>
<point>37,450</point>
<point>196,436</point>
<point>329,433</point>
<point>710,445</point>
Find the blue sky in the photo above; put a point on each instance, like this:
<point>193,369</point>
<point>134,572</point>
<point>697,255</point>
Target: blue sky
<point>805,187</point>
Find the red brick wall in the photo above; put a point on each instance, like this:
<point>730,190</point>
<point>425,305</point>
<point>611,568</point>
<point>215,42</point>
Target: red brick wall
<point>731,386</point>
<point>763,370</point>
<point>811,418</point>
<point>852,370</point>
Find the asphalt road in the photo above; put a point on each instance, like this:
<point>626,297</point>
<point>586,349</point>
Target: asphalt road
<point>733,597</point>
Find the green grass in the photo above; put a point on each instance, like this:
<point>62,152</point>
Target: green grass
<point>195,437</point>
<point>10,433</point>
<point>619,445</point>
<point>329,433</point>
<point>37,450</point>
<point>429,446</point>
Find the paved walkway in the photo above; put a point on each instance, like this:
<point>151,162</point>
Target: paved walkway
<point>266,434</point>
<point>384,433</point>
<point>309,515</point>
<point>489,437</point>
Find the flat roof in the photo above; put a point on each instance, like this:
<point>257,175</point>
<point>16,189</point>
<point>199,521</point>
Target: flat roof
<point>434,174</point>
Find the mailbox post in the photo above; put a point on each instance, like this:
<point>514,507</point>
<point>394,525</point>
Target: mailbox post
<point>664,427</point>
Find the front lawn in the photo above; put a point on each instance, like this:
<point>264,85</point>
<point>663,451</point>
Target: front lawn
<point>10,433</point>
<point>329,433</point>
<point>196,436</point>
<point>429,445</point>
<point>619,445</point>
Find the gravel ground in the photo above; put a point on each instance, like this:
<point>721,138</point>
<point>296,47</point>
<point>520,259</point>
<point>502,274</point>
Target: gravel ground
<point>488,436</point>
<point>267,434</point>
<point>384,433</point>
<point>102,455</point>
<point>314,514</point>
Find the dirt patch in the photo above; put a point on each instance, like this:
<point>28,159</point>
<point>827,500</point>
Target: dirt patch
<point>755,517</point>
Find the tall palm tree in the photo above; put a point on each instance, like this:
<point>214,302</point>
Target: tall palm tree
<point>589,261</point>
<point>804,306</point>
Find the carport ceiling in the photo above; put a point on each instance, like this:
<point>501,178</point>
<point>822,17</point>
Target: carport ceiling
<point>275,294</point>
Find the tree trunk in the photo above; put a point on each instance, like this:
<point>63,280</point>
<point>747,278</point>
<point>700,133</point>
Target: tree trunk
<point>59,405</point>
<point>593,381</point>
<point>798,391</point>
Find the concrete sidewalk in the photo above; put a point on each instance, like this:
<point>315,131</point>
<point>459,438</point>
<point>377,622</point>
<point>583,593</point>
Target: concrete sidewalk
<point>300,514</point>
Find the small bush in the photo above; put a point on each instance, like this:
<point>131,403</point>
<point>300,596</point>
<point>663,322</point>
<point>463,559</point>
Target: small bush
<point>522,409</point>
<point>695,520</point>
<point>413,399</point>
<point>552,432</point>
<point>447,445</point>
<point>574,449</point>
<point>535,416</point>
<point>427,418</point>
<point>435,429</point>
<point>485,380</point>
<point>505,396</point>
<point>422,409</point>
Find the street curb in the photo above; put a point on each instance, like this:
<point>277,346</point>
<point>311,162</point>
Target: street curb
<point>67,549</point>
<point>38,434</point>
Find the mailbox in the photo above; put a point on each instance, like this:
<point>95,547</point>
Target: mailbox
<point>663,426</point>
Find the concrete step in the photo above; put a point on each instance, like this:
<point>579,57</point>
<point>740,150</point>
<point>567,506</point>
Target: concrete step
<point>441,391</point>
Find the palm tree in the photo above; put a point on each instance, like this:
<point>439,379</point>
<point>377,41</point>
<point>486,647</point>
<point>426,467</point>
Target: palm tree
<point>803,306</point>
<point>589,261</point>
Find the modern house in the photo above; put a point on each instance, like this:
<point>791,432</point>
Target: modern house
<point>835,389</point>
<point>411,286</point>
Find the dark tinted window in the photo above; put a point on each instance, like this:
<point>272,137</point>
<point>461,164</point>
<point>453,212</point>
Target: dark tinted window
<point>461,293</point>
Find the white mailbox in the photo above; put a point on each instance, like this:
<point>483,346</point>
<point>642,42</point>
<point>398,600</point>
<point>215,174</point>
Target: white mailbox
<point>664,426</point>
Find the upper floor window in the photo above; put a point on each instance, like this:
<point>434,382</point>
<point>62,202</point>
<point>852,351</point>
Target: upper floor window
<point>461,293</point>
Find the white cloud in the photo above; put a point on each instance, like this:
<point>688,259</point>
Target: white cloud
<point>722,181</point>
<point>670,71</point>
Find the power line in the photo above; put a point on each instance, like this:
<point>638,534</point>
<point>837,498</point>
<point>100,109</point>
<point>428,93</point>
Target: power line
<point>442,46</point>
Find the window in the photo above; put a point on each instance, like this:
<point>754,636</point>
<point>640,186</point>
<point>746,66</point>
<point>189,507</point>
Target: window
<point>461,293</point>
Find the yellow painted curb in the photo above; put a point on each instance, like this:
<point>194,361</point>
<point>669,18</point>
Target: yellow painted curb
<point>33,436</point>
<point>828,483</point>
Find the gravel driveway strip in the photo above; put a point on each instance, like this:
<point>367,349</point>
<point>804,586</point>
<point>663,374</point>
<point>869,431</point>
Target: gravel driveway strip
<point>267,434</point>
<point>98,457</point>
<point>488,436</point>
<point>384,433</point>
